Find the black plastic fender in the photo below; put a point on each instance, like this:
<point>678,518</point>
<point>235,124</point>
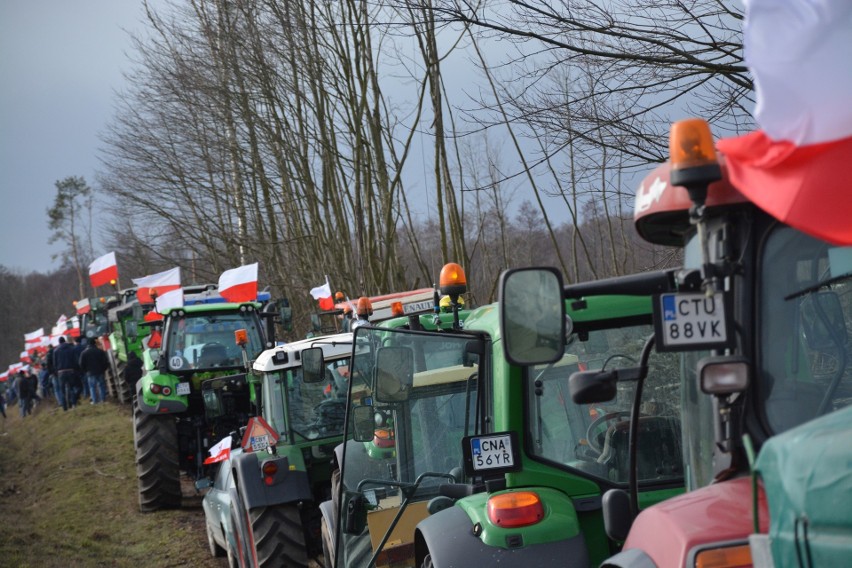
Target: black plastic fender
<point>448,537</point>
<point>289,485</point>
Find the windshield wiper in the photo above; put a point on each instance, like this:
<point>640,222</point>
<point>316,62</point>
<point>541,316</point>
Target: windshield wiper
<point>819,285</point>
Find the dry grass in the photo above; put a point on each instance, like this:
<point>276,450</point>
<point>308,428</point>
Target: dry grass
<point>68,496</point>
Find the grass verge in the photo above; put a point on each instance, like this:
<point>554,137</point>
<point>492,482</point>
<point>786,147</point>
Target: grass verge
<point>68,495</point>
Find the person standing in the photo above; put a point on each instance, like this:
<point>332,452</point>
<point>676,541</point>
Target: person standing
<point>133,370</point>
<point>25,398</point>
<point>81,387</point>
<point>63,360</point>
<point>93,364</point>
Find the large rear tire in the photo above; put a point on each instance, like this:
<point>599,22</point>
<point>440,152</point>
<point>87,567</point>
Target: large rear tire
<point>156,441</point>
<point>278,536</point>
<point>124,390</point>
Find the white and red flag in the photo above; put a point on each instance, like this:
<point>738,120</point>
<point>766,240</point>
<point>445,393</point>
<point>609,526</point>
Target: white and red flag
<point>171,299</point>
<point>25,357</point>
<point>34,337</point>
<point>239,284</point>
<point>220,452</point>
<point>323,296</point>
<point>83,306</point>
<point>796,167</point>
<point>161,283</point>
<point>103,270</point>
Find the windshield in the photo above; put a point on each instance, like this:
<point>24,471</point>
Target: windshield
<point>594,438</point>
<point>805,309</point>
<point>424,432</point>
<point>206,341</point>
<point>416,444</point>
<point>314,410</point>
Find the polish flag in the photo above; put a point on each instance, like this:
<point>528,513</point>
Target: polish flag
<point>4,376</point>
<point>74,328</point>
<point>796,167</point>
<point>34,337</point>
<point>323,295</point>
<point>220,452</point>
<point>103,270</point>
<point>83,306</point>
<point>161,282</point>
<point>171,299</point>
<point>25,357</point>
<point>239,284</point>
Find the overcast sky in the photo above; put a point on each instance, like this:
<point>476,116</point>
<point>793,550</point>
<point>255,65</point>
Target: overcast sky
<point>60,63</point>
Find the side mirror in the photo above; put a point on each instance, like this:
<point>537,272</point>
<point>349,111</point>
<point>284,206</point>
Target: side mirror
<point>823,322</point>
<point>587,387</point>
<point>355,511</point>
<point>616,513</point>
<point>313,365</point>
<point>723,374</point>
<point>203,483</point>
<point>532,315</point>
<point>394,374</point>
<point>364,423</point>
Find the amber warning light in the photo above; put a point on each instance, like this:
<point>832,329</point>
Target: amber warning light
<point>693,158</point>
<point>241,337</point>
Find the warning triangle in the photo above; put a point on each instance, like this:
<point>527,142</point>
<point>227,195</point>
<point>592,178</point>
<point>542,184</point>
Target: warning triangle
<point>259,435</point>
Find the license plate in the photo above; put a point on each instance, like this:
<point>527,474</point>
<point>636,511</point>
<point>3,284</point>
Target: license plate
<point>418,307</point>
<point>491,452</point>
<point>691,321</point>
<point>183,388</point>
<point>259,443</point>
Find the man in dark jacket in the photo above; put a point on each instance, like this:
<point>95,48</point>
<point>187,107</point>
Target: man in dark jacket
<point>133,370</point>
<point>93,364</point>
<point>65,365</point>
<point>81,385</point>
<point>25,395</point>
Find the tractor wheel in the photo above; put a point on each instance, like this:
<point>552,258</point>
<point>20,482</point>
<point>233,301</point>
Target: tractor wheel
<point>156,442</point>
<point>327,545</point>
<point>122,387</point>
<point>111,376</point>
<point>278,536</point>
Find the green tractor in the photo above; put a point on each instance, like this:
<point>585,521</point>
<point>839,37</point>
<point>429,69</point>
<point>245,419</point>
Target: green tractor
<point>285,468</point>
<point>128,332</point>
<point>171,430</point>
<point>493,463</point>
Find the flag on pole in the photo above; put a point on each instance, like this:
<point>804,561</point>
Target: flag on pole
<point>161,283</point>
<point>103,270</point>
<point>323,295</point>
<point>171,299</point>
<point>239,284</point>
<point>220,452</point>
<point>34,337</point>
<point>796,166</point>
<point>25,357</point>
<point>83,306</point>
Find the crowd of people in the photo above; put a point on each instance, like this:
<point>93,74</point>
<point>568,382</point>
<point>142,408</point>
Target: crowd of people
<point>73,371</point>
